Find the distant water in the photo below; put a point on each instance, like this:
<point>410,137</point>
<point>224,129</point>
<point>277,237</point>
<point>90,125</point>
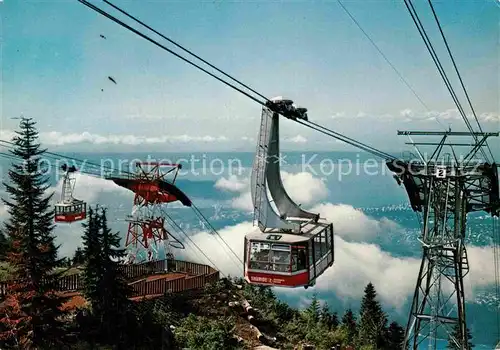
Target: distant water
<point>377,195</point>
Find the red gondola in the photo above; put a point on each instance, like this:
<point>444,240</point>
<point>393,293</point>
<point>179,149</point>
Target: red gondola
<point>291,247</point>
<point>69,209</point>
<point>289,260</point>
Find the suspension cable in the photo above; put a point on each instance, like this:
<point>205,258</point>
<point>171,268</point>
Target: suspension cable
<point>459,75</point>
<point>198,212</point>
<point>144,36</point>
<point>116,20</point>
<point>100,166</point>
<point>383,55</point>
<point>174,223</point>
<point>195,209</point>
<point>346,139</point>
<point>437,62</point>
<point>184,49</point>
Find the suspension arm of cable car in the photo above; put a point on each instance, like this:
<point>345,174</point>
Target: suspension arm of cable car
<point>291,247</point>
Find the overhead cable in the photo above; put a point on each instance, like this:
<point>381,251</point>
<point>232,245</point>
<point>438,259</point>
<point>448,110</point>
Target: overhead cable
<point>346,139</point>
<point>116,20</point>
<point>382,54</point>
<point>174,223</point>
<point>195,209</point>
<point>198,212</point>
<point>144,36</point>
<point>459,76</point>
<point>437,62</point>
<point>184,49</point>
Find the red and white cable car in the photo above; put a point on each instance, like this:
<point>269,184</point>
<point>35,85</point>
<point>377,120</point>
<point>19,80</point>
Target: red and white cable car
<point>69,209</point>
<point>289,260</point>
<point>291,247</point>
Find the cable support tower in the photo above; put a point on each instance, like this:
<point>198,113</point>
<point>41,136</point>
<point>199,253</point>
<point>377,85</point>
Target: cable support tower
<point>444,188</point>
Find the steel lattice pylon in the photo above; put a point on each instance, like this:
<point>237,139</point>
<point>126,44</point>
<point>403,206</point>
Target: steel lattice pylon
<point>146,230</point>
<point>444,190</point>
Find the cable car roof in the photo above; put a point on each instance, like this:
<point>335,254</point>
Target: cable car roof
<point>309,230</point>
<point>70,204</point>
<point>166,186</point>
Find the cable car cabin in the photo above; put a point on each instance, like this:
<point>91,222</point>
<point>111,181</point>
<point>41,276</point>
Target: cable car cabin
<point>289,260</point>
<point>76,210</point>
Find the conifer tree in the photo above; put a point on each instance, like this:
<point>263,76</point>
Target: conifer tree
<point>373,321</point>
<point>4,246</point>
<point>395,336</point>
<point>115,302</point>
<point>456,335</point>
<point>312,313</point>
<point>93,271</point>
<point>78,257</point>
<point>31,316</point>
<point>105,284</point>
<point>349,323</point>
<point>328,319</point>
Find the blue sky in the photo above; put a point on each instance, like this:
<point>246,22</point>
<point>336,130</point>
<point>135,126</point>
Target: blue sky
<point>54,65</point>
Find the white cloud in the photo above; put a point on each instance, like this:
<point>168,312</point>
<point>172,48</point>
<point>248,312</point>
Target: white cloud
<point>233,184</point>
<point>448,115</point>
<point>58,139</point>
<point>296,139</point>
<point>216,250</point>
<point>408,115</point>
<point>355,265</point>
<point>7,135</point>
<point>352,224</point>
<point>302,187</point>
<point>243,202</point>
<point>338,115</point>
<point>490,117</point>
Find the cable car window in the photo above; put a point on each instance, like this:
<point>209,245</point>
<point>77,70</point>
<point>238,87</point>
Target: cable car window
<point>311,252</point>
<point>259,255</point>
<point>317,248</point>
<point>327,236</point>
<point>280,257</point>
<point>330,238</point>
<point>294,259</point>
<point>299,258</point>
<point>280,267</point>
<point>260,251</point>
<point>324,245</point>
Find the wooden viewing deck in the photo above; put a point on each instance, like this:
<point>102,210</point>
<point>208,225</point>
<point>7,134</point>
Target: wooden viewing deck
<point>148,279</point>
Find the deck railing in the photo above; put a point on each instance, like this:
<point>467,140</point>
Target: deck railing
<point>197,276</point>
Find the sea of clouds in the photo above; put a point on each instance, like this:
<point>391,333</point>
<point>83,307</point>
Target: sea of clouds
<point>358,260</point>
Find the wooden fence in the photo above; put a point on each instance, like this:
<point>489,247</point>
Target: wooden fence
<point>198,276</point>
